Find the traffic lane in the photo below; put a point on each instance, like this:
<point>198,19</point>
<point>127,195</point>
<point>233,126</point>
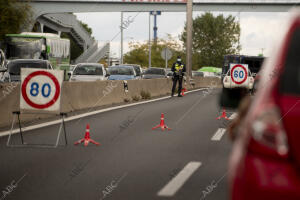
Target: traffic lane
<point>109,164</point>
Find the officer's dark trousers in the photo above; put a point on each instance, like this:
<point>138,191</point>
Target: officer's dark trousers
<point>175,79</point>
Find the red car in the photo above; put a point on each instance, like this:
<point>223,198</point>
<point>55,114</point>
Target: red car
<point>265,161</point>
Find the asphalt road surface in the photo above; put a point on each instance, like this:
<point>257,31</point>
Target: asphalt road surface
<point>133,162</point>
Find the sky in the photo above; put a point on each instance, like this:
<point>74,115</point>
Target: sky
<point>259,31</point>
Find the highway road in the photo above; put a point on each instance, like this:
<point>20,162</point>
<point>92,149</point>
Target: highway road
<point>133,162</point>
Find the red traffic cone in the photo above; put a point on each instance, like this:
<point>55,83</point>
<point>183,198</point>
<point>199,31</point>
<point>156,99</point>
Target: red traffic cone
<point>223,115</point>
<point>183,91</point>
<point>162,124</point>
<point>87,139</point>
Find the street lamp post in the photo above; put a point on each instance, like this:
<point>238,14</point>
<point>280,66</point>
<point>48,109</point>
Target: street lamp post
<point>149,40</point>
<point>189,40</point>
<point>121,37</point>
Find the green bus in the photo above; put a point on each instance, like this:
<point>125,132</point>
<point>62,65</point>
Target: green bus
<point>46,46</point>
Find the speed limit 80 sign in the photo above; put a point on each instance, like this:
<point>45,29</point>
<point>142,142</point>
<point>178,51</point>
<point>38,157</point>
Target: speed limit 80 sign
<point>41,89</point>
<point>239,73</point>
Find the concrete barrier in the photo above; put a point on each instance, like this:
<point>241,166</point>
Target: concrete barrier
<point>77,96</point>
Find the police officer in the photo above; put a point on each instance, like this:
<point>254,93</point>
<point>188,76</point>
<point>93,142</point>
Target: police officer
<point>178,70</point>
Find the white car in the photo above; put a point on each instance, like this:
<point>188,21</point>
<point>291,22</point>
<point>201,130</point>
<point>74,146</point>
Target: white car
<point>89,72</point>
<point>239,79</point>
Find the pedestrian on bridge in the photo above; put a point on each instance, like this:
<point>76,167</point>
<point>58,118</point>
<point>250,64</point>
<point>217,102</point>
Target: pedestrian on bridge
<point>178,70</point>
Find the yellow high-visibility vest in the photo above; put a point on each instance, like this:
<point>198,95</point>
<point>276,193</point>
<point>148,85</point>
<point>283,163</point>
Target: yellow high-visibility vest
<point>178,67</point>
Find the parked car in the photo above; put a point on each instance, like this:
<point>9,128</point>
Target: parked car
<point>89,72</point>
<point>13,68</point>
<point>266,155</point>
<point>137,68</point>
<point>197,74</point>
<point>169,73</point>
<point>121,72</point>
<point>154,72</point>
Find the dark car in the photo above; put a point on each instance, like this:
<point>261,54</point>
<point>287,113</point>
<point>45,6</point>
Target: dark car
<point>154,72</point>
<point>13,70</point>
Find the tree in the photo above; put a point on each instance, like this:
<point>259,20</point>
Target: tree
<point>15,15</point>
<point>139,53</point>
<point>213,37</point>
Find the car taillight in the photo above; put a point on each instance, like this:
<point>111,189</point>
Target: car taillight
<point>268,134</point>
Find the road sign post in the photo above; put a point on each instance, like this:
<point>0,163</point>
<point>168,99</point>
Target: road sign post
<point>40,94</point>
<point>166,54</point>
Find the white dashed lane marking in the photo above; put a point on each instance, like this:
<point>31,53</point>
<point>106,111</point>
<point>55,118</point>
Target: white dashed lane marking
<point>219,134</point>
<point>178,181</point>
<point>233,116</point>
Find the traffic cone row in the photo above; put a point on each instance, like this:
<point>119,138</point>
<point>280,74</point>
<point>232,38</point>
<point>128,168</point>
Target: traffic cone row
<point>87,139</point>
<point>162,124</point>
<point>223,115</point>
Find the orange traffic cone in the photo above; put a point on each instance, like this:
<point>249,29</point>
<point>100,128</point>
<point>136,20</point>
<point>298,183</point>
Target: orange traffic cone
<point>223,115</point>
<point>86,138</point>
<point>162,124</point>
<point>183,91</point>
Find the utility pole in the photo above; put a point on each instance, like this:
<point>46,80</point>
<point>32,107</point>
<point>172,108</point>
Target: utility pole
<point>149,40</point>
<point>121,37</point>
<point>189,40</point>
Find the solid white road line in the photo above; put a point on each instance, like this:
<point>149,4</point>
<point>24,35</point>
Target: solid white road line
<point>219,134</point>
<point>29,128</point>
<point>233,116</point>
<point>177,182</point>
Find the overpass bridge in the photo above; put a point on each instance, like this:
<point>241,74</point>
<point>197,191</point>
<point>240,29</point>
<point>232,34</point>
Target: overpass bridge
<point>76,6</point>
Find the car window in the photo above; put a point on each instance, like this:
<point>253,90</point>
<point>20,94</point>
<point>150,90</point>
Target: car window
<point>121,71</point>
<point>290,79</point>
<point>14,68</point>
<point>155,71</point>
<point>88,70</point>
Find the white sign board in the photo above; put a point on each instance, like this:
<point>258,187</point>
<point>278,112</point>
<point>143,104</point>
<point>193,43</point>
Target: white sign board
<point>239,73</point>
<point>166,54</point>
<point>40,90</point>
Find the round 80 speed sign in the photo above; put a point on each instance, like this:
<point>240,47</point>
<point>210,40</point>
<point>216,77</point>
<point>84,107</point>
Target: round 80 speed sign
<point>41,89</point>
<point>239,73</point>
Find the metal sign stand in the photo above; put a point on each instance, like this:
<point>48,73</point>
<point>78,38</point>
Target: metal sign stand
<point>61,128</point>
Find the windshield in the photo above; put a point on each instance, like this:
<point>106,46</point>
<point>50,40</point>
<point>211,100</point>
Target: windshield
<point>88,70</point>
<point>137,70</point>
<point>14,68</point>
<point>155,71</point>
<point>121,71</point>
<point>24,48</point>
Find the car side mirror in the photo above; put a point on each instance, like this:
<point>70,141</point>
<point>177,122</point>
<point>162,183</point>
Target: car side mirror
<point>231,98</point>
<point>107,75</point>
<point>69,74</point>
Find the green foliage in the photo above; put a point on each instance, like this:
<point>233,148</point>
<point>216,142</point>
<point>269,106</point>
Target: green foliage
<point>86,27</point>
<point>15,16</point>
<point>139,53</point>
<point>213,37</point>
<point>75,49</point>
<point>145,94</point>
